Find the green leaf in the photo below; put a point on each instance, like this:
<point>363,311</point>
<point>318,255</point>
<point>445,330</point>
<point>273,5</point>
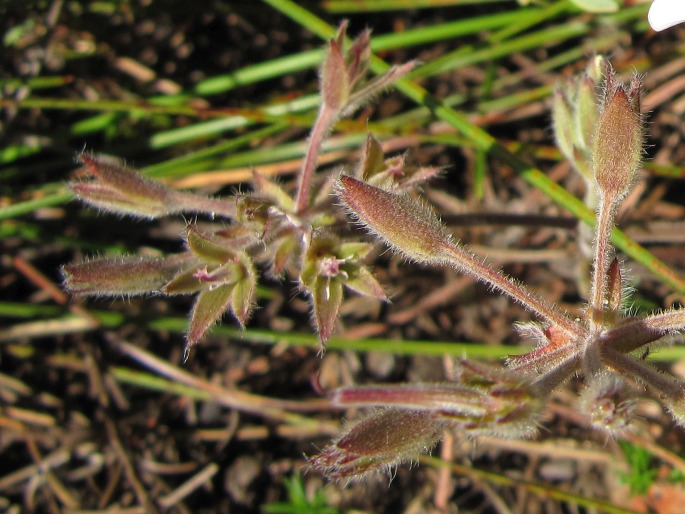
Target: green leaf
<point>16,33</point>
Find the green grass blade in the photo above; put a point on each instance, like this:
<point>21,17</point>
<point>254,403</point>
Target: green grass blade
<point>357,6</point>
<point>50,199</point>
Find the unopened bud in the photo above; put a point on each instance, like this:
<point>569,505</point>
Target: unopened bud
<point>127,276</point>
<point>378,442</point>
<point>335,82</point>
<point>404,223</point>
<point>116,188</point>
<point>617,147</point>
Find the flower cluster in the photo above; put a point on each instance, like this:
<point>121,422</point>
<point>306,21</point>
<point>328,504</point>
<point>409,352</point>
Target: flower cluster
<point>284,232</point>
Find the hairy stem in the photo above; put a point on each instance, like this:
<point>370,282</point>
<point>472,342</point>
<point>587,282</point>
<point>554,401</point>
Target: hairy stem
<point>205,205</point>
<point>322,126</point>
<point>602,259</point>
<point>452,398</point>
<point>632,335</point>
<point>629,366</point>
<point>466,262</point>
<point>555,377</point>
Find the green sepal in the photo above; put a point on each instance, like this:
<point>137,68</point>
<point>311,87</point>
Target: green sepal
<point>364,283</point>
<point>209,306</point>
<point>354,250</point>
<point>285,253</point>
<point>372,160</point>
<point>273,191</point>
<point>327,296</point>
<point>208,247</point>
<point>563,123</point>
<point>185,282</point>
<point>587,114</point>
<point>244,285</point>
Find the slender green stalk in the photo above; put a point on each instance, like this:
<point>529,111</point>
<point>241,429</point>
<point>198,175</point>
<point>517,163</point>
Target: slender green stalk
<point>111,319</point>
<point>193,162</point>
<point>294,63</point>
<point>21,208</point>
<point>355,6</point>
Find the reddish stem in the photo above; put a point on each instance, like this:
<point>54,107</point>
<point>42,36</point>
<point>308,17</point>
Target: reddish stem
<point>324,121</point>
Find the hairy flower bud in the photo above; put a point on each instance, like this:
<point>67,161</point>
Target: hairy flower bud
<point>617,146</point>
<point>335,82</point>
<point>404,223</point>
<point>126,276</point>
<point>378,442</point>
<point>116,188</point>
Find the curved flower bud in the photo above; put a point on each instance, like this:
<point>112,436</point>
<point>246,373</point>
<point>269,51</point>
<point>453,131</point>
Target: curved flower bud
<point>404,223</point>
<point>617,146</point>
<point>123,276</point>
<point>117,188</point>
<point>378,442</point>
